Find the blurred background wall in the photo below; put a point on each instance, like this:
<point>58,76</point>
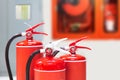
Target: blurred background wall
<point>10,25</point>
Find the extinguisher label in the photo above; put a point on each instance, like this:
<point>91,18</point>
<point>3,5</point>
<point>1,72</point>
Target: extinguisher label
<point>75,61</point>
<point>52,74</point>
<point>49,70</point>
<point>29,46</point>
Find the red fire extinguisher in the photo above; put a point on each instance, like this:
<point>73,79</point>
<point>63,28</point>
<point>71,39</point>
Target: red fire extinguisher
<point>75,63</point>
<point>23,50</point>
<point>110,14</point>
<point>49,67</point>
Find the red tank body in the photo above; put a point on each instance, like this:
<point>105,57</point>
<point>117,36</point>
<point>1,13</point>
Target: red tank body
<point>75,67</point>
<point>49,68</point>
<point>23,52</point>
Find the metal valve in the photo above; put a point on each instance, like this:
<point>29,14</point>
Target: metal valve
<point>73,47</point>
<point>51,47</point>
<point>30,31</point>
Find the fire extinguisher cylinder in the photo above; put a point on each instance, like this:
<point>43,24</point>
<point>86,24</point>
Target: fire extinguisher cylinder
<point>48,65</point>
<point>75,63</point>
<point>23,50</point>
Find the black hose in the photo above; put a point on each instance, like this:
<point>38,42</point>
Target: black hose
<point>55,53</point>
<point>29,63</point>
<point>7,55</point>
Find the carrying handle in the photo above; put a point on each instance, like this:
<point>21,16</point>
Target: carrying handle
<point>75,42</point>
<point>35,26</point>
<point>51,48</point>
<point>83,47</point>
<point>31,29</point>
<point>73,47</point>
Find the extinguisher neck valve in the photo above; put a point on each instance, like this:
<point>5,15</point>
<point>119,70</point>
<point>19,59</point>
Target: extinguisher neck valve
<point>72,50</point>
<point>51,47</point>
<point>73,53</point>
<point>29,38</point>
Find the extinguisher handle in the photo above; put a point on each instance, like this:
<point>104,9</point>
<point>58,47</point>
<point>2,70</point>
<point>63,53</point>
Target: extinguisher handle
<point>74,43</point>
<point>39,33</point>
<point>73,47</point>
<point>54,44</point>
<point>52,49</point>
<point>33,27</point>
<point>83,47</point>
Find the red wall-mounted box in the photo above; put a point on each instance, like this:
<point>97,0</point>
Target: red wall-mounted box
<point>98,15</point>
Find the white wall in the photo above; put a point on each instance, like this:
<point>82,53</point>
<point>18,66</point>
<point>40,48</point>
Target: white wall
<point>102,62</point>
